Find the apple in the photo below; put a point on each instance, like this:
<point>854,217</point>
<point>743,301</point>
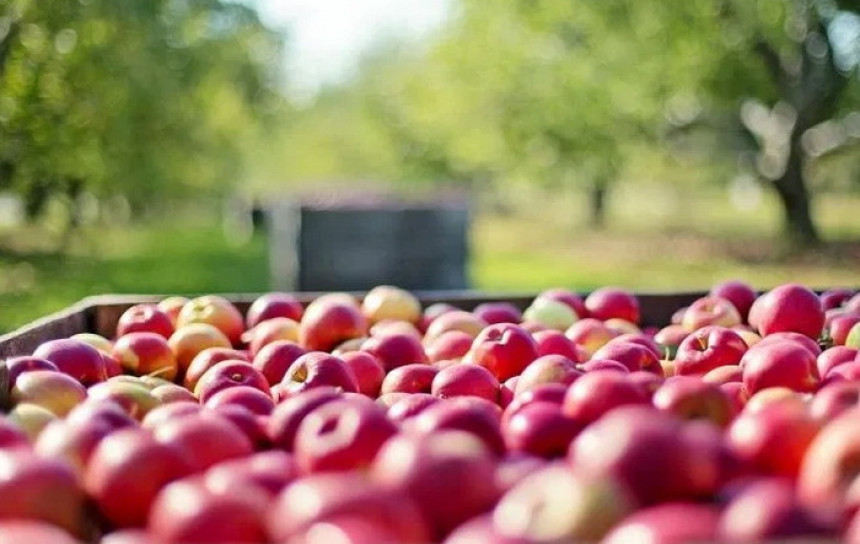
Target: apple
<point>710,311</point>
<point>740,294</point>
<point>613,302</point>
<point>251,398</point>
<point>97,341</point>
<point>641,339</point>
<point>550,392</point>
<point>480,530</point>
<point>387,302</point>
<point>274,359</point>
<point>341,436</point>
<point>17,531</point>
<point>709,348</point>
<point>774,439</point>
<point>550,313</point>
<point>230,373</point>
<point>646,451</point>
<point>75,358</point>
<point>40,489</point>
<point>498,312</point>
<point>272,305</point>
<point>503,349</point>
<point>648,382</point>
<point>849,371</point>
<point>463,380</point>
<point>327,496</point>
<point>835,298</point>
<point>674,523</point>
<point>540,429</point>
<point>395,350</point>
<point>556,504</point>
<point>432,312</point>
<point>288,415</point>
<point>573,300</point>
<point>186,511</point>
<point>633,356</point>
<point>410,405</point>
<point>724,374</point>
<point>11,435</point>
<point>455,320</point>
<point>252,425</point>
<point>853,338</point>
<point>142,353</point>
<point>208,358</point>
<point>101,413</point>
<point>15,366</point>
<point>840,327</point>
<point>833,399</point>
<point>216,311</point>
<point>172,306</point>
<point>547,369</point>
<point>269,472</point>
<point>130,464</point>
<point>145,318</point>
<point>737,393</point>
<point>785,364</point>
<point>463,414</point>
<point>54,391</point>
<point>599,392</point>
<point>622,326</point>
<point>169,393</point>
<point>389,326</point>
<point>368,371</point>
<point>71,442</point>
<point>204,439</point>
<point>450,345</point>
<point>134,397</point>
<point>327,323</point>
<point>833,357</point>
<point>590,334</point>
<point>797,338</point>
<point>449,475</point>
<point>515,467</point>
<point>790,307</point>
<point>277,328</point>
<point>691,398</point>
<point>552,342</point>
<point>190,340</point>
<point>853,303</point>
<point>128,536</point>
<point>669,338</point>
<point>764,398</point>
<point>316,369</point>
<point>604,364</point>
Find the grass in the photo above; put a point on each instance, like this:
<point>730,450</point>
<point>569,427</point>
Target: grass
<point>671,243</point>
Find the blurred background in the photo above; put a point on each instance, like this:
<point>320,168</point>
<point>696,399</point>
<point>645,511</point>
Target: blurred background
<point>187,146</point>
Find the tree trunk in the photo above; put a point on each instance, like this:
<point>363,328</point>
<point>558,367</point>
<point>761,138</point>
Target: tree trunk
<point>794,196</point>
<point>597,204</point>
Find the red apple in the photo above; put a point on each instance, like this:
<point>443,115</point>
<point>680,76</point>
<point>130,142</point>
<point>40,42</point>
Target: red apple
<point>613,302</point>
<point>142,353</point>
<point>833,399</point>
<point>648,382</point>
<point>97,341</point>
<point>327,323</point>
<point>599,392</point>
<point>190,340</point>
<point>547,369</point>
<point>455,320</point>
<point>172,306</point>
<point>724,374</point>
<point>834,298</point>
<point>674,523</point>
<point>633,356</point>
<point>316,369</point>
<point>412,378</point>
<point>498,312</point>
<point>463,414</point>
<point>252,399</point>
<point>691,398</point>
<point>515,467</point>
<point>449,345</point>
<point>341,436</point>
<point>204,439</point>
<point>641,339</point>
<point>230,373</point>
<point>54,391</point>
<point>737,393</point>
<point>131,465</point>
<point>669,338</point>
<point>790,307</point>
<point>186,511</point>
<point>551,342</point>
<point>784,364</point>
<point>740,294</point>
<point>134,397</point>
<point>288,415</point>
<point>710,311</point>
<point>275,359</point>
<point>101,413</point>
<point>590,334</point>
<point>833,357</point>
<point>216,311</point>
<point>15,366</point>
<point>556,504</point>
<point>573,300</point>
<point>849,371</point>
<point>39,489</point>
<point>432,312</point>
<point>410,405</point>
<point>206,359</point>
<point>541,429</point>
<point>73,443</point>
<point>169,393</point>
<point>604,364</point>
<point>321,497</point>
<point>145,318</point>
<point>795,337</point>
<point>12,436</point>
<point>77,359</point>
<point>168,412</point>
<point>269,472</point>
<point>480,530</point>
<point>773,439</point>
<point>709,348</point>
<point>272,305</point>
<point>368,371</point>
<point>394,350</point>
<point>449,475</point>
<point>503,349</point>
<point>853,303</point>
<point>466,379</point>
<point>18,531</point>
<point>841,326</point>
<point>271,330</point>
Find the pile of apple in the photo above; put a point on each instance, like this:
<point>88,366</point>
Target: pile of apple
<point>377,421</point>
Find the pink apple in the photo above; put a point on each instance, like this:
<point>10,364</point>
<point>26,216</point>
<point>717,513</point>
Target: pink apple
<point>795,337</point>
<point>272,305</point>
<point>613,302</point>
<point>465,379</point>
<point>737,393</point>
<point>740,294</point>
<point>449,345</point>
<point>395,350</point>
<point>463,414</point>
<point>790,307</point>
<point>204,439</point>
<point>410,405</point>
<point>455,320</point>
<point>413,378</point>
<point>648,382</point>
<point>15,366</point>
<point>503,349</point>
<point>327,323</point>
<point>784,364</point>
<point>547,369</point>
<point>833,399</point>
<point>230,373</point>
<point>835,356</point>
<point>108,414</point>
<point>849,371</point>
<point>541,429</point>
<point>599,392</point>
<point>71,442</point>
<point>208,358</point>
<point>669,338</point>
<point>271,330</point>
<point>710,311</point>
<point>552,342</point>
<point>674,523</point>
<point>834,298</point>
<point>590,334</point>
<point>368,371</point>
<point>288,415</point>
<point>841,326</point>
<point>12,436</point>
<point>145,318</point>
<point>604,364</point>
<point>691,398</point>
<point>269,472</point>
<point>275,359</point>
<point>432,312</point>
<point>633,356</point>
<point>253,399</point>
<point>640,338</point>
<point>498,312</point>
<point>18,531</point>
<point>709,348</point>
<point>172,393</point>
<point>77,359</point>
<point>341,436</point>
<point>480,530</point>
<point>252,425</point>
<point>724,374</point>
<point>316,369</point>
